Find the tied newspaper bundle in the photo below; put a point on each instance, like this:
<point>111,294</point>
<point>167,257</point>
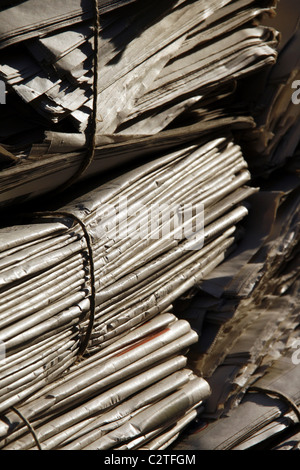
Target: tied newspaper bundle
<point>154,75</point>
<point>78,283</point>
<point>138,392</point>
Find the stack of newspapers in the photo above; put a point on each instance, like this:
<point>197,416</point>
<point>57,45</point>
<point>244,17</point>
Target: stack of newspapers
<point>140,263</point>
<point>119,255</point>
<point>138,391</point>
<point>166,73</point>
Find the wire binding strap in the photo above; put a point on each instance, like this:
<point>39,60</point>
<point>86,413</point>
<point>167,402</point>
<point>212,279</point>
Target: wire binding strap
<point>91,144</point>
<point>29,426</point>
<point>91,129</point>
<point>55,214</point>
<point>291,404</point>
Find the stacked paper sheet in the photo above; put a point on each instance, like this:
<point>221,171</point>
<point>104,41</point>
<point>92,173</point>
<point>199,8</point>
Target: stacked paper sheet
<point>155,63</point>
<point>109,255</point>
<point>139,267</point>
<point>137,390</point>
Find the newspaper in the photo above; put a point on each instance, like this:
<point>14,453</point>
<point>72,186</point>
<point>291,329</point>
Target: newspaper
<point>164,80</point>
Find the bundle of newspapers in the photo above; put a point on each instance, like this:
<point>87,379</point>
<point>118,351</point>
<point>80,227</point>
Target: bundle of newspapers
<point>125,193</point>
<point>120,254</point>
<point>138,391</point>
<point>161,75</point>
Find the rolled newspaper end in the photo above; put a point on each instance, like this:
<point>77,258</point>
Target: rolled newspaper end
<point>156,416</point>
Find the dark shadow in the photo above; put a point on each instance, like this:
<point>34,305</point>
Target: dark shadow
<point>10,3</point>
